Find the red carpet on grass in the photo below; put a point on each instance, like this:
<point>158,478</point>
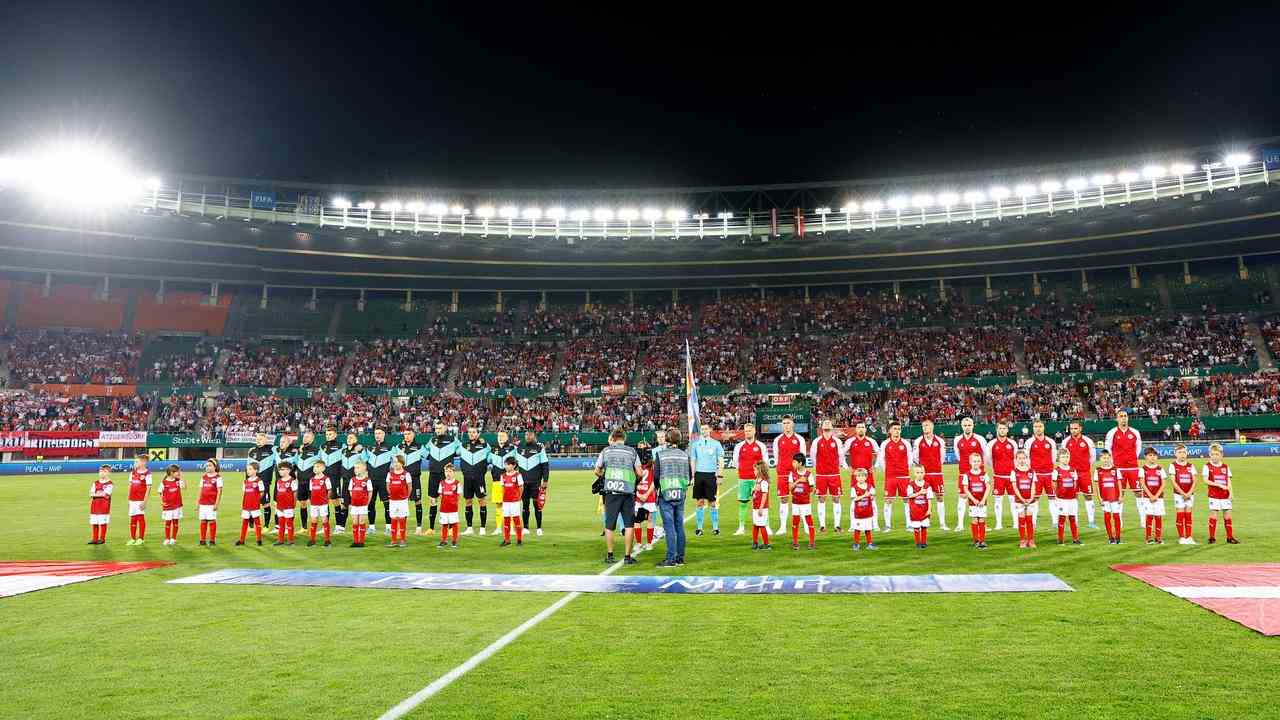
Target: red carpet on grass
<point>28,576</point>
<point>1247,594</point>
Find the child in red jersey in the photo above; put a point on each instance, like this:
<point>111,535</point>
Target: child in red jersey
<point>862,506</point>
<point>449,491</point>
<point>319,502</point>
<point>918,506</point>
<point>139,488</point>
<point>1217,478</point>
<point>1110,487</point>
<point>1066,495</point>
<point>100,505</point>
<point>1151,477</point>
<point>1182,474</point>
<point>170,491</point>
<point>399,486</point>
<point>251,503</point>
<point>359,492</point>
<point>285,498</point>
<point>760,508</point>
<point>1024,499</point>
<point>801,500</point>
<point>646,508</point>
<point>207,503</point>
<point>974,488</point>
<point>512,491</point>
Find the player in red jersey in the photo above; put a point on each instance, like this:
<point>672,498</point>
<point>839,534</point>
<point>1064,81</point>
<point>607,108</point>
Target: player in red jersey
<point>747,454</point>
<point>1000,452</point>
<point>1182,474</point>
<point>1043,452</point>
<point>861,451</point>
<point>359,495</point>
<point>1125,445</point>
<point>1025,487</point>
<point>512,491</point>
<point>646,507</point>
<point>918,510</point>
<point>1217,478</point>
<point>100,505</point>
<point>1110,485</point>
<point>828,457</point>
<point>862,508</point>
<point>965,444</point>
<point>319,503</point>
<point>284,498</point>
<point>450,490</point>
<point>760,508</point>
<point>929,451</point>
<point>1066,492</point>
<point>139,488</point>
<point>802,500</point>
<point>785,446</point>
<point>895,458</point>
<point>1153,496</point>
<point>399,486</point>
<point>170,491</point>
<point>208,502</point>
<point>251,502</point>
<point>1083,455</point>
<point>974,488</point>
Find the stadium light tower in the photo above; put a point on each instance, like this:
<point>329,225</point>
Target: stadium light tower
<point>1181,170</point>
<point>973,197</point>
<point>580,216</point>
<point>392,206</point>
<point>1025,190</point>
<point>1075,185</point>
<point>556,214</point>
<point>603,215</point>
<point>509,213</point>
<point>922,202</point>
<point>415,207</point>
<point>438,209</point>
<point>628,216</point>
<point>675,216</point>
<point>998,194</point>
<point>1049,187</point>
<point>823,212</point>
<point>725,216</point>
<point>461,213</point>
<point>896,203</point>
<point>848,209</point>
<point>1234,161</point>
<point>532,214</point>
<point>1153,173</point>
<point>1101,181</point>
<point>367,206</point>
<point>344,205</point>
<point>873,207</point>
<point>652,215</point>
<point>1127,178</point>
<point>485,213</point>
<point>946,200</point>
<point>702,219</point>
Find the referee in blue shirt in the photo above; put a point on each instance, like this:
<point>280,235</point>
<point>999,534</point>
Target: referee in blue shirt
<point>706,454</point>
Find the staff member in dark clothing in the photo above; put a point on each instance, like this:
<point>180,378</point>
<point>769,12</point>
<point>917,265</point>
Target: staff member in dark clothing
<point>617,468</point>
<point>671,469</point>
<point>412,451</point>
<point>440,450</point>
<point>264,453</point>
<point>379,457</point>
<point>308,456</point>
<point>535,470</point>
<point>351,453</point>
<point>286,454</point>
<point>497,465</point>
<point>474,455</point>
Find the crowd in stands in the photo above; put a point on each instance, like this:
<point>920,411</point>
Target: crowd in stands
<point>1073,346</point>
<point>598,361</point>
<point>1271,334</point>
<point>1240,394</point>
<point>716,360</point>
<point>414,362</point>
<point>284,364</point>
<point>73,358</point>
<point>1141,396</point>
<point>186,368</point>
<point>181,414</point>
<point>728,411</point>
<point>43,411</point>
<point>848,410</point>
<point>487,365</point>
<point>1187,341</point>
<point>737,315</point>
<point>579,321</point>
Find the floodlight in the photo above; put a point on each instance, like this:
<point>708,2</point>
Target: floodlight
<point>437,209</point>
<point>652,214</point>
<point>947,199</point>
<point>579,215</point>
<point>1102,179</point>
<point>1153,172</point>
<point>531,213</point>
<point>392,206</point>
<point>629,214</point>
<point>849,208</point>
<point>998,193</point>
<point>602,215</point>
<point>897,202</point>
<point>1025,190</point>
<point>973,197</point>
<point>1235,160</point>
<point>922,201</point>
<point>1182,168</point>
<point>458,210</point>
<point>416,206</point>
<point>1076,184</point>
<point>1126,176</point>
<point>485,211</point>
<point>872,206</point>
<point>676,215</point>
<point>341,203</point>
<point>726,215</point>
<point>556,213</point>
<point>153,183</point>
<point>367,205</point>
<point>1050,187</point>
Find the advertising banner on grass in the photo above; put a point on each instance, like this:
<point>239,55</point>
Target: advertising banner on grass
<point>60,443</point>
<point>122,438</point>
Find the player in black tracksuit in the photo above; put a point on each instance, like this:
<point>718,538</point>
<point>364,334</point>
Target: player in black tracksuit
<point>440,451</point>
<point>333,468</point>
<point>352,452</point>
<point>287,454</point>
<point>306,470</point>
<point>535,469</point>
<point>475,459</point>
<point>260,453</point>
<point>379,458</point>
<point>411,449</point>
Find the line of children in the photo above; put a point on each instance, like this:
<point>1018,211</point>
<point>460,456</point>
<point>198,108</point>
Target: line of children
<point>320,502</point>
<point>801,500</point>
<point>1151,497</point>
<point>1066,493</point>
<point>251,503</point>
<point>863,509</point>
<point>1110,489</point>
<point>1025,502</point>
<point>512,491</point>
<point>975,486</point>
<point>208,501</point>
<point>170,491</point>
<point>919,508</point>
<point>450,490</point>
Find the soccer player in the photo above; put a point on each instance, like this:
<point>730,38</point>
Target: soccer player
<point>1066,491</point>
<point>760,507</point>
<point>1125,445</point>
<point>170,491</point>
<point>399,488</point>
<point>974,487</point>
<point>828,458</point>
<point>1000,452</point>
<point>1083,456</point>
<point>862,508</point>
<point>1025,486</point>
<point>251,502</point>
<point>895,459</point>
<point>413,452</point>
<point>802,499</point>
<point>331,451</point>
<point>747,455</point>
<point>284,499</point>
<point>1217,477</point>
<point>918,511</point>
<point>100,505</point>
<point>320,500</point>
<point>264,454</point>
<point>450,489</point>
<point>1153,496</point>
<point>308,455</point>
<point>1043,453</point>
<point>360,493</point>
<point>646,507</point>
<point>1182,474</point>
<point>785,446</point>
<point>862,452</point>
<point>474,455</point>
<point>706,455</point>
<point>209,500</point>
<point>535,468</point>
<point>139,488</point>
<point>965,444</point>
<point>352,453</point>
<point>497,465</point>
<point>1110,486</point>
<point>929,451</point>
<point>378,458</point>
<point>512,492</point>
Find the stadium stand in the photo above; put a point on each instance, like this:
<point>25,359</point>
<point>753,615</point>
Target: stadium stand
<point>1240,394</point>
<point>715,356</point>
<point>1189,341</point>
<point>178,360</point>
<point>68,306</point>
<point>593,362</point>
<point>487,365</point>
<point>1072,346</point>
<point>278,363</point>
<point>1140,396</point>
<point>415,362</point>
<point>1218,292</point>
<point>182,312</point>
<point>43,411</point>
<point>68,357</point>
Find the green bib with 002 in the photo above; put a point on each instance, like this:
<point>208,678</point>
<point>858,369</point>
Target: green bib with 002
<point>619,480</point>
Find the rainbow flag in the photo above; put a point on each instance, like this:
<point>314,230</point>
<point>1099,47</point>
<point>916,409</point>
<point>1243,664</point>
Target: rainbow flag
<point>691,393</point>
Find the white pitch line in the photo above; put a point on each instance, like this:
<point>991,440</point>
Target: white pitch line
<point>408,704</point>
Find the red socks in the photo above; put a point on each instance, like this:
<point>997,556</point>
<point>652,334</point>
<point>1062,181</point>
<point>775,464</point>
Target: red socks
<point>857,537</point>
<point>137,527</point>
<point>1075,527</point>
<point>506,529</point>
<point>1159,528</point>
<point>648,533</point>
<point>795,530</point>
<point>99,532</point>
<point>1230,535</point>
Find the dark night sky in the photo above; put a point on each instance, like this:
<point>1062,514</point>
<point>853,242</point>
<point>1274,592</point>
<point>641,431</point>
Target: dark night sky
<point>629,94</point>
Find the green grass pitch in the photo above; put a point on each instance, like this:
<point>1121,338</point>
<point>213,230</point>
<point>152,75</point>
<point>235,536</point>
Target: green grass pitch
<point>133,646</point>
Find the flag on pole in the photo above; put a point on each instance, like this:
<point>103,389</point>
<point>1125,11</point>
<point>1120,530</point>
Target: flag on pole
<point>691,393</point>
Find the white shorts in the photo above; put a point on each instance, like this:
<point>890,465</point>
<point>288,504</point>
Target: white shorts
<point>207,512</point>
<point>99,519</point>
<point>1025,508</point>
<point>977,512</point>
<point>1070,508</point>
<point>175,514</point>
<point>136,508</point>
<point>1216,504</point>
<point>863,524</point>
<point>651,507</point>
<point>1112,507</point>
<point>285,513</point>
<point>360,511</point>
<point>805,510</point>
<point>760,518</point>
<point>250,514</point>
<point>914,524</point>
<point>1181,502</point>
<point>450,518</point>
<point>398,509</point>
<point>1155,507</point>
<point>319,511</point>
<point>510,509</point>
